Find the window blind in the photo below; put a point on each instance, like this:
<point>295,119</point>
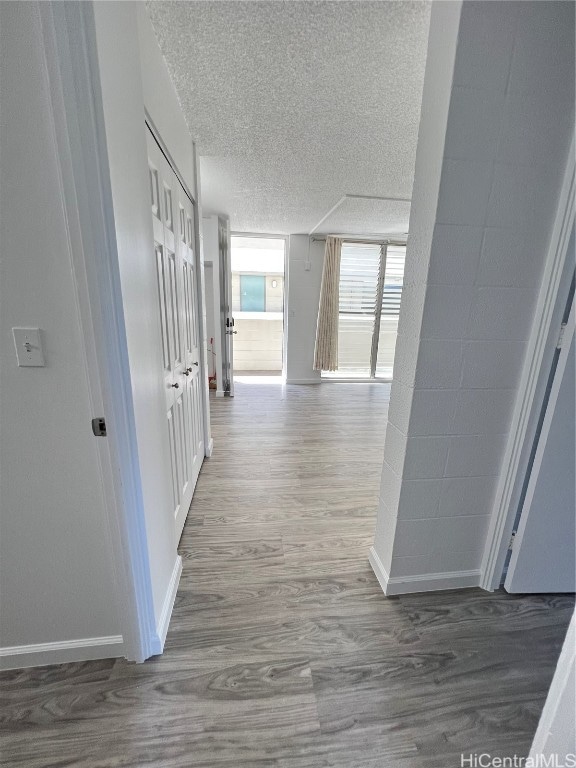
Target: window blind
<point>393,279</point>
<point>359,269</point>
<point>359,278</point>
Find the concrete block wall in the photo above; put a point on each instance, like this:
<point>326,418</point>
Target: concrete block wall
<point>258,344</point>
<point>483,204</point>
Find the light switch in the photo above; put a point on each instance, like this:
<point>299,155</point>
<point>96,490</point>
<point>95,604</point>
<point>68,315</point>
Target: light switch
<point>28,347</point>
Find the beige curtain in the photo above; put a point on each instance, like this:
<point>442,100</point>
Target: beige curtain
<point>326,351</point>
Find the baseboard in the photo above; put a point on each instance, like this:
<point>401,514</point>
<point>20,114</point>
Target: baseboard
<point>61,652</point>
<point>164,621</point>
<point>379,571</point>
<point>303,381</point>
<point>209,448</point>
<point>424,582</point>
<point>219,393</point>
<point>330,380</point>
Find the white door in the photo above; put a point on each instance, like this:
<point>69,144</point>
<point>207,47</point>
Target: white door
<point>543,556</point>
<point>226,316</point>
<point>172,217</point>
<point>192,389</point>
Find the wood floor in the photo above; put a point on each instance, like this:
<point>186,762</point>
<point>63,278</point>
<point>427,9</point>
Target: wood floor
<point>282,651</point>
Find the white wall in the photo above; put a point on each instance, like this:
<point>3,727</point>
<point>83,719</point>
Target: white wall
<point>161,101</point>
<point>121,79</point>
<point>302,299</point>
<point>133,76</point>
<point>497,119</point>
<point>55,554</point>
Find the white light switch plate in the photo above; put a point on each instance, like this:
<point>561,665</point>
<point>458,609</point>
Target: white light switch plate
<point>28,347</point>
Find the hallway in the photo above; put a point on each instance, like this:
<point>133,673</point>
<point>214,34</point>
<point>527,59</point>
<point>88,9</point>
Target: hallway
<point>282,650</point>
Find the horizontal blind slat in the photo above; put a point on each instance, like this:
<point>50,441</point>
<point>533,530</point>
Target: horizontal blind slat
<point>393,279</point>
<point>359,278</point>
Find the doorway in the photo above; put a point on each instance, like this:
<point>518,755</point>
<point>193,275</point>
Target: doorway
<point>258,269</point>
<point>545,521</point>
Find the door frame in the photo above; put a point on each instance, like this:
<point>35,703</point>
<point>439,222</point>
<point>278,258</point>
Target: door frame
<point>547,416</point>
<point>76,104</point>
<point>69,42</point>
<point>267,236</point>
<point>542,343</point>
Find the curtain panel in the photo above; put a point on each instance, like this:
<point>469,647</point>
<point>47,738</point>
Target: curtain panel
<point>326,349</point>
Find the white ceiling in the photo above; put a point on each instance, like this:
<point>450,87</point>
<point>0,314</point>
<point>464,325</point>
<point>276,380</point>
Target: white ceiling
<point>296,104</point>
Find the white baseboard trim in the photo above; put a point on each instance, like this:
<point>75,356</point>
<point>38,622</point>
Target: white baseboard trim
<point>329,380</point>
<point>379,571</point>
<point>62,651</point>
<point>209,448</point>
<point>219,393</point>
<point>303,381</point>
<point>424,582</point>
<point>164,621</point>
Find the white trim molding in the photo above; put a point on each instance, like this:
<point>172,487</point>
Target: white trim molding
<point>209,448</point>
<point>344,380</point>
<point>42,654</point>
<point>167,608</point>
<point>201,300</point>
<point>379,571</point>
<point>422,582</point>
<point>303,381</point>
<point>72,62</point>
<point>539,351</point>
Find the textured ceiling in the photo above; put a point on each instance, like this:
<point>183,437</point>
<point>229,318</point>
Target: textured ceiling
<point>296,104</point>
<point>355,216</point>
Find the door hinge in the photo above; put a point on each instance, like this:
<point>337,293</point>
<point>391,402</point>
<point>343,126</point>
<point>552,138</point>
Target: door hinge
<point>561,336</point>
<point>511,542</point>
<point>99,426</point>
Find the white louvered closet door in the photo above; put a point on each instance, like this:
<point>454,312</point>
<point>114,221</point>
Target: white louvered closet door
<point>177,308</point>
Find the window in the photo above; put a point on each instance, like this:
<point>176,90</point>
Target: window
<point>371,280</point>
<point>253,293</point>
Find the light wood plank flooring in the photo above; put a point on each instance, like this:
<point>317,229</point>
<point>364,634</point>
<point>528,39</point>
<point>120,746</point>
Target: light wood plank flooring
<point>282,651</point>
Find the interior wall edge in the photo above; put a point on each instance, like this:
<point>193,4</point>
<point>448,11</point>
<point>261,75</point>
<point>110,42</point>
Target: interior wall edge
<point>440,63</point>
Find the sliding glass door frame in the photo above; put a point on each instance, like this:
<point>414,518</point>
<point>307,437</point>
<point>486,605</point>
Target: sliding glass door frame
<point>378,309</point>
<point>379,301</point>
